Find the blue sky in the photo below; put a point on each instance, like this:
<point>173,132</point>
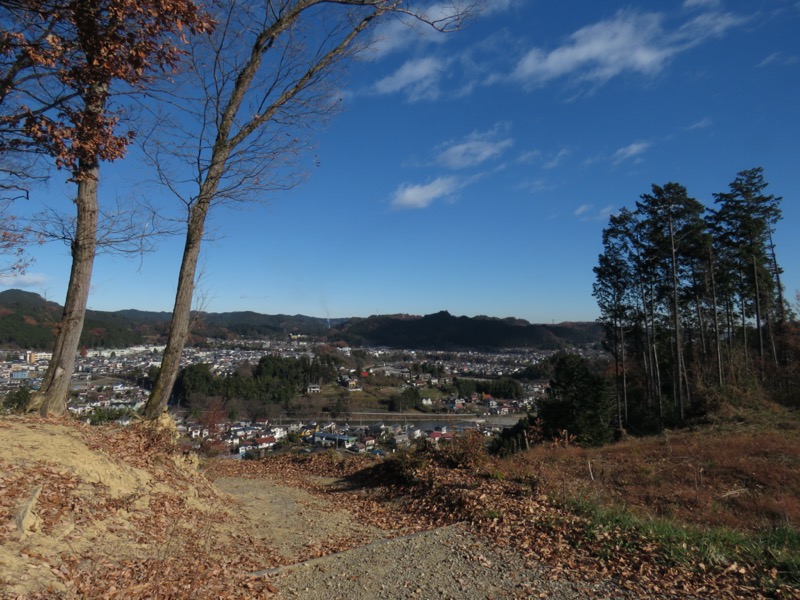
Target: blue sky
<point>474,172</point>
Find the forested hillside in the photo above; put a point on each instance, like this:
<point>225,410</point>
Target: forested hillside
<point>27,321</point>
<point>444,331</point>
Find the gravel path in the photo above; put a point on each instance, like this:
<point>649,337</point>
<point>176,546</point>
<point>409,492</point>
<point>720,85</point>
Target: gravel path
<point>447,563</point>
<point>288,519</point>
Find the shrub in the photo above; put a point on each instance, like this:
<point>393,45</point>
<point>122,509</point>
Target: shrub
<point>18,400</point>
<point>106,415</point>
<point>404,467</point>
<point>467,451</point>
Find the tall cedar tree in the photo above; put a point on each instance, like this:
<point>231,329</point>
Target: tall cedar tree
<point>82,53</point>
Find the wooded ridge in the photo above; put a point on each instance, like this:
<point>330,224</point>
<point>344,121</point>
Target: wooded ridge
<point>27,321</point>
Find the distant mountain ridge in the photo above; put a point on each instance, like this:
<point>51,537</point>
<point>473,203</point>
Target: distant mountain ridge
<point>27,321</point>
<point>446,332</point>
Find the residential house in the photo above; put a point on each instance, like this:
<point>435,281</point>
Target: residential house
<point>266,442</point>
<point>247,446</point>
<point>401,441</point>
<point>336,440</point>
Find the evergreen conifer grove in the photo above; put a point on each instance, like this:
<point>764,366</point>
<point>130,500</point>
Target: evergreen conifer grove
<point>692,304</point>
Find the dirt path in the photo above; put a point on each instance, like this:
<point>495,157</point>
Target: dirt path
<point>447,563</point>
<point>295,523</point>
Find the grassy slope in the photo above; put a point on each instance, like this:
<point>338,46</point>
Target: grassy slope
<point>725,492</point>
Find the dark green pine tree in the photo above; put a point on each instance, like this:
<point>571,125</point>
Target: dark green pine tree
<point>743,224</point>
<point>673,222</point>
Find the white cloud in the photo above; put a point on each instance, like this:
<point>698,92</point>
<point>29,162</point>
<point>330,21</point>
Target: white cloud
<point>402,32</point>
<point>556,160</point>
<point>585,213</point>
<point>26,280</point>
<point>701,3</point>
<point>605,212</point>
<point>628,42</point>
<point>772,58</point>
<point>421,196</point>
<point>634,150</point>
<point>417,78</point>
<point>535,185</point>
<point>598,52</point>
<point>701,124</point>
<point>527,158</point>
<point>475,149</point>
<point>778,58</point>
<point>703,27</point>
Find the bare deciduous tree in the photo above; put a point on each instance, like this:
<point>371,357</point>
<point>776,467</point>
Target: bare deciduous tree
<point>260,80</point>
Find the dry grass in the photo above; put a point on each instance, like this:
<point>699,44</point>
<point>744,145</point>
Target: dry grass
<point>743,473</point>
<point>724,494</point>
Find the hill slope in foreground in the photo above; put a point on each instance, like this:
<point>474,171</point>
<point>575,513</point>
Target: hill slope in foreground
<point>121,513</point>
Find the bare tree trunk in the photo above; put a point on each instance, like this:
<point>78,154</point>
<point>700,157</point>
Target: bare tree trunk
<point>658,383</point>
<point>770,325</point>
<point>717,343</point>
<point>676,322</point>
<point>52,396</point>
<point>731,328</point>
<point>778,285</point>
<point>181,314</point>
<point>649,369</point>
<point>236,130</point>
<point>701,324</point>
<point>742,299</point>
<point>624,376</point>
<point>687,390</point>
<point>758,319</point>
<point>617,383</point>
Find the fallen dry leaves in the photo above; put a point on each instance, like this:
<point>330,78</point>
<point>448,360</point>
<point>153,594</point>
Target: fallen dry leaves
<point>175,535</point>
<point>511,515</point>
<point>151,543</point>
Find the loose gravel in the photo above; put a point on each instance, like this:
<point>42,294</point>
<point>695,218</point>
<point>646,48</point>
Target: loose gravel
<point>447,563</point>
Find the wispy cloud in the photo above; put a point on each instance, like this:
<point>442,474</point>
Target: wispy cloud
<point>702,28</point>
<point>27,280</point>
<point>631,151</point>
<point>630,42</point>
<point>771,59</point>
<point>701,3</point>
<point>599,52</point>
<point>475,149</point>
<point>778,58</point>
<point>403,32</point>
<point>400,34</point>
<point>703,123</point>
<point>421,196</point>
<point>530,157</point>
<point>556,160</point>
<point>585,212</point>
<point>535,185</point>
<point>418,79</point>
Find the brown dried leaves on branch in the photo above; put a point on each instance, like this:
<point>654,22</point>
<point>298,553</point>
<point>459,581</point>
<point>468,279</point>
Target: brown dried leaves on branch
<point>73,54</point>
